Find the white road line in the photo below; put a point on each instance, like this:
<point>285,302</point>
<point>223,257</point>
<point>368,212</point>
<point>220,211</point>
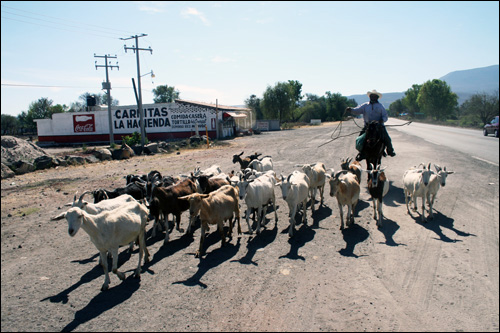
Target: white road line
<point>481,159</point>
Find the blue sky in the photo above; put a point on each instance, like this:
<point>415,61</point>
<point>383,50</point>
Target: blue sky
<point>231,50</point>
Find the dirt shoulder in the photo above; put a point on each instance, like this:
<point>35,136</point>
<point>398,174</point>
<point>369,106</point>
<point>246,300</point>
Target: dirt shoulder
<point>406,276</point>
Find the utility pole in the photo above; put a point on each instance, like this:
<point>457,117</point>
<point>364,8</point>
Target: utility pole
<point>139,104</point>
<point>217,119</point>
<point>107,85</point>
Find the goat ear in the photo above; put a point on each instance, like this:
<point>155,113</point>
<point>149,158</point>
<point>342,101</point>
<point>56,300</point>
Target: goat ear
<point>69,204</point>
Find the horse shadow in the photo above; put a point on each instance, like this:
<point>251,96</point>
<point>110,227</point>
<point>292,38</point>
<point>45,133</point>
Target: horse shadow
<point>353,235</point>
<point>439,221</point>
<point>211,259</point>
<point>103,302</point>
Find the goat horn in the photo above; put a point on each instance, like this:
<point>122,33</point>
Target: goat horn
<point>74,198</point>
<point>81,196</point>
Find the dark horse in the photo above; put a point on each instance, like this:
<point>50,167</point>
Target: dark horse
<point>374,146</point>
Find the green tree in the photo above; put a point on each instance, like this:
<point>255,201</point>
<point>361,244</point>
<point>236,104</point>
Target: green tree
<point>410,99</point>
<point>336,105</point>
<point>165,94</point>
<point>437,100</point>
<point>312,110</point>
<point>481,106</point>
<point>41,109</point>
<point>254,103</point>
<point>104,100</point>
<point>397,107</point>
<point>10,124</point>
<point>296,96</point>
<point>314,107</point>
<point>279,101</point>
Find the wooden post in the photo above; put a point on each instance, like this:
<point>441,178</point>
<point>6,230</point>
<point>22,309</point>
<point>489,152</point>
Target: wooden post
<point>206,130</point>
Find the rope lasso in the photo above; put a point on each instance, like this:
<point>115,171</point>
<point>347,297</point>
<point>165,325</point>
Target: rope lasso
<point>340,125</point>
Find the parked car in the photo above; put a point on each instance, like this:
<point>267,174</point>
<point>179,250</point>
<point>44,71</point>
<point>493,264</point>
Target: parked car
<point>491,128</point>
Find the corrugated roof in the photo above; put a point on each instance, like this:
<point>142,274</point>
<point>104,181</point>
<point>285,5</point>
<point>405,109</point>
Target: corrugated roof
<point>220,107</point>
<point>235,115</point>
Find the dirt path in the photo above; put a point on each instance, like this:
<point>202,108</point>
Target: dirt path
<point>406,276</point>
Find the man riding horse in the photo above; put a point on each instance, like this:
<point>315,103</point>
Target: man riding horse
<point>373,111</point>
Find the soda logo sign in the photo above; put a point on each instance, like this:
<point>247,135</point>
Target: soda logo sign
<point>83,123</point>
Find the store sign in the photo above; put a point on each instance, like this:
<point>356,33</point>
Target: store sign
<point>159,118</point>
<point>83,123</point>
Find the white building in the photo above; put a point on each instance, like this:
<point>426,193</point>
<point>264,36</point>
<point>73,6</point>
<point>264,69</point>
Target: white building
<point>181,119</point>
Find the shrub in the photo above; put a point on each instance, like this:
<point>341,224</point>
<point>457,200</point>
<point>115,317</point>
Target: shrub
<point>134,139</point>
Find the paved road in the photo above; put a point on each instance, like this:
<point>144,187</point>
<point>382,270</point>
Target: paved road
<point>469,141</point>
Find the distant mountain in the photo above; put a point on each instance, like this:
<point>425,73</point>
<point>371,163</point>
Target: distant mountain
<point>464,83</point>
<point>473,81</point>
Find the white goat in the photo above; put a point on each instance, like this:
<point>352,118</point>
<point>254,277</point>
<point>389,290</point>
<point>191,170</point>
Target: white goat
<point>345,187</point>
<point>213,170</point>
<point>435,182</point>
<point>99,207</point>
<point>378,186</point>
<point>257,194</point>
<point>317,177</point>
<point>214,208</point>
<point>265,164</point>
<point>109,230</point>
<point>415,184</point>
<point>295,190</point>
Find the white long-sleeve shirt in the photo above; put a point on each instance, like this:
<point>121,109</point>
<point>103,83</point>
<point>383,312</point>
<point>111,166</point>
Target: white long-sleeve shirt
<point>371,112</point>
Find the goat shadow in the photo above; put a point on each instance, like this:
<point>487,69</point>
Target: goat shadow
<point>94,273</point>
<point>439,221</point>
<point>211,259</point>
<point>173,246</point>
<point>266,237</point>
<point>389,229</point>
<point>300,237</point>
<point>395,197</point>
<point>321,213</point>
<point>353,235</point>
<point>103,302</point>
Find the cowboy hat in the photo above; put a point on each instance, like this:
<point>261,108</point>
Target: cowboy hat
<point>374,92</point>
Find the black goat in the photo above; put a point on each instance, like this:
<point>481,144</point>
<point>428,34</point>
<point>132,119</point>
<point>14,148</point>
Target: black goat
<point>137,191</point>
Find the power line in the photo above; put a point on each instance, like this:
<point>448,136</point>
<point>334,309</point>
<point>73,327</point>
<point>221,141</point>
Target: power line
<point>47,86</point>
<point>58,21</point>
<point>48,26</point>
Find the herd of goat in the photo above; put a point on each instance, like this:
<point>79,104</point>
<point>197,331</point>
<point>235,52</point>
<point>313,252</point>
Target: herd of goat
<point>119,217</point>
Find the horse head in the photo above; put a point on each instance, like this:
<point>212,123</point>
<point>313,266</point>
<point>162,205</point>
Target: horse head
<point>374,144</point>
